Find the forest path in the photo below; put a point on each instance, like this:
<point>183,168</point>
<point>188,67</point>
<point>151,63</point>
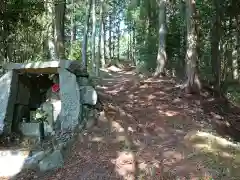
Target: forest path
<point>150,130</point>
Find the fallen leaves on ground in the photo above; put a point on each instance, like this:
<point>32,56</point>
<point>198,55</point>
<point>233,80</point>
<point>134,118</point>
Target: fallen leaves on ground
<point>142,135</point>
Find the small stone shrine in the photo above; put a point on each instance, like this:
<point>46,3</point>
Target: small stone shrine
<point>46,100</point>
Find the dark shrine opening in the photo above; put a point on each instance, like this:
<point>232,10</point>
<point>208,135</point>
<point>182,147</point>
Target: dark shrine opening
<point>33,90</point>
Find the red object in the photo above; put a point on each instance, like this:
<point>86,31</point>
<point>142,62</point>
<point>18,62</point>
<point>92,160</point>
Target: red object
<point>55,88</point>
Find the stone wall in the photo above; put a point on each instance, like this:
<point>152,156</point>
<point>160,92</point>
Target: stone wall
<point>78,112</point>
<point>57,151</point>
<point>75,97</point>
<point>54,154</point>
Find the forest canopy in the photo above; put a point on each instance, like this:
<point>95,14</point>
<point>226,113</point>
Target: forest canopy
<point>197,41</point>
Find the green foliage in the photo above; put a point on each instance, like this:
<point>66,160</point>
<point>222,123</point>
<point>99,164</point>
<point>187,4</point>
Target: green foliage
<point>76,51</point>
<point>22,30</point>
<point>22,12</point>
<point>123,46</point>
<point>142,17</point>
<point>41,115</point>
<point>233,93</point>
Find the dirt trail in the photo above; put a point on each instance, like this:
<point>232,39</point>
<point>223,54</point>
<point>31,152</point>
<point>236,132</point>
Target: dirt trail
<point>150,130</point>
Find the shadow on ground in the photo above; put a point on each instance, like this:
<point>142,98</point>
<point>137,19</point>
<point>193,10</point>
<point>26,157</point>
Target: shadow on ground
<point>150,129</point>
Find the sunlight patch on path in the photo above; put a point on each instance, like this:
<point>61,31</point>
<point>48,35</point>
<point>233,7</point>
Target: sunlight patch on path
<point>11,162</point>
<point>125,164</point>
<point>218,146</point>
<point>114,69</point>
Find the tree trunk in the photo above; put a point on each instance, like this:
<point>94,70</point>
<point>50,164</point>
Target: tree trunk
<point>238,52</point>
<point>230,49</point>
<point>118,41</point>
<point>59,28</point>
<point>104,41</point>
<point>110,38</point>
<point>45,48</point>
<point>102,49</point>
<point>193,84</point>
<point>113,47</point>
<point>4,33</point>
<point>49,8</point>
<point>128,44</point>
<point>237,48</point>
<point>181,61</point>
<point>5,41</point>
<point>73,27</point>
<point>134,46</point>
<point>85,36</point>
<point>162,56</point>
<point>235,62</point>
<point>101,38</point>
<point>73,23</point>
<point>215,54</point>
<point>94,66</point>
<point>2,12</point>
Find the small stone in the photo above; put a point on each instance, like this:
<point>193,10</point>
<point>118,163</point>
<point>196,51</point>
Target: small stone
<point>89,95</point>
<point>53,161</point>
<point>76,68</point>
<point>32,161</point>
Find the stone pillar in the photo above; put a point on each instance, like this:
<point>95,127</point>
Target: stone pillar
<point>8,95</point>
<point>88,100</point>
<point>70,98</point>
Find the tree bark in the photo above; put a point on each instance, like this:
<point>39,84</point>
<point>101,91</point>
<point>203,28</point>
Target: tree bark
<point>110,38</point>
<point>161,56</point>
<point>5,41</point>
<point>3,33</point>
<point>193,84</point>
<point>134,45</point>
<point>103,55</point>
<point>113,46</point>
<point>73,23</point>
<point>60,7</point>
<point>215,39</point>
<point>128,44</point>
<point>85,36</point>
<point>73,28</point>
<point>94,66</point>
<point>118,41</point>
<point>49,8</point>
<point>237,48</point>
<point>104,41</point>
<point>101,58</point>
<point>6,54</point>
